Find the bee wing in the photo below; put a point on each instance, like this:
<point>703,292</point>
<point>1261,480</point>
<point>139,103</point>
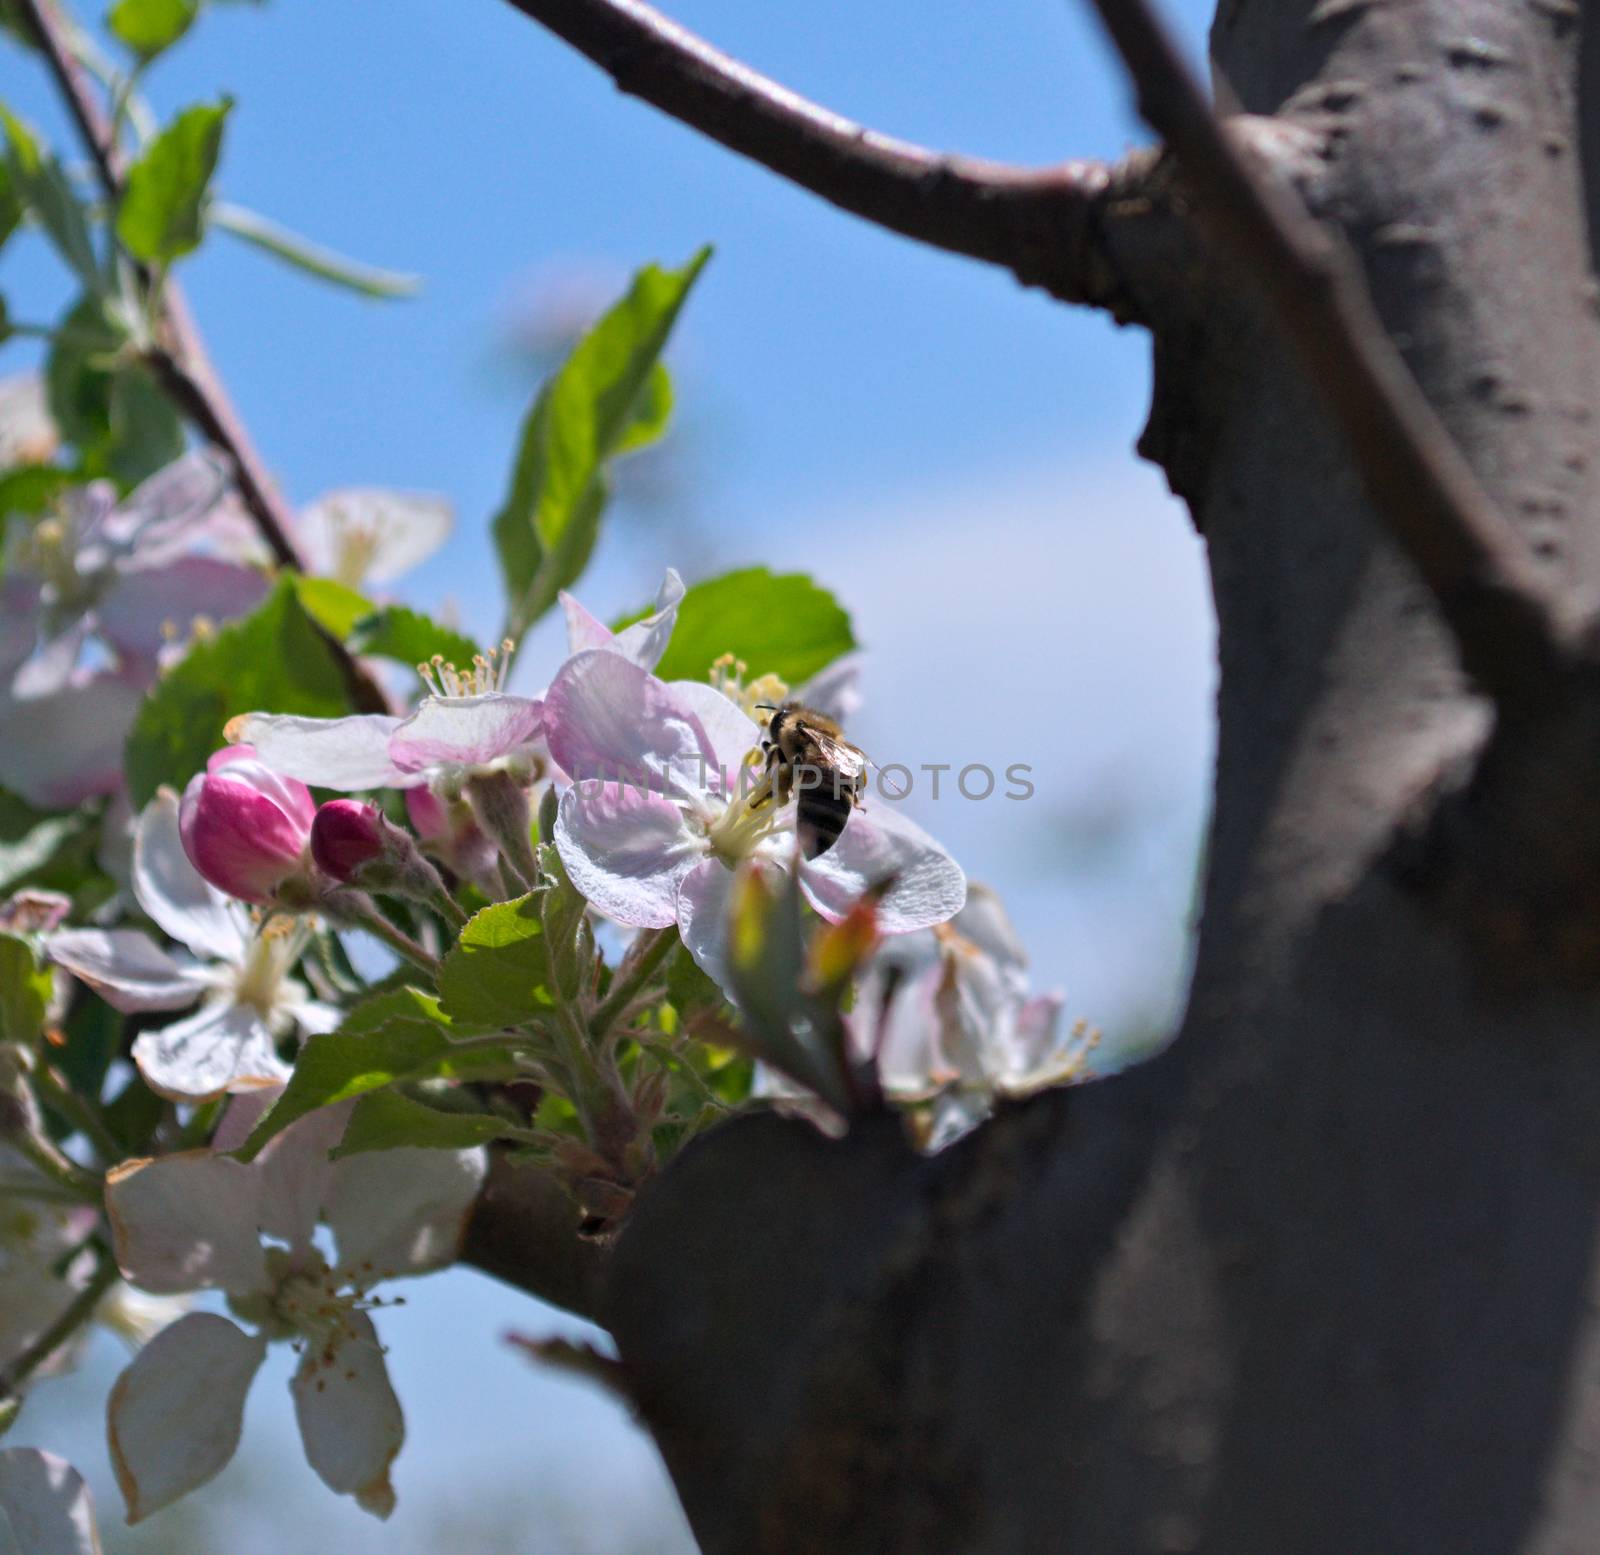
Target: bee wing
<point>846,759</point>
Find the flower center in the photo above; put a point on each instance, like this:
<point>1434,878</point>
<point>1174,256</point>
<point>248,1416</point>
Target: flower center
<point>728,676</point>
<point>487,673</point>
<point>273,950</point>
<point>746,822</point>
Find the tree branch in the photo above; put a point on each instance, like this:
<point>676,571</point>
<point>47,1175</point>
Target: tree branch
<point>1043,224</point>
<point>181,362</point>
<point>1512,630</point>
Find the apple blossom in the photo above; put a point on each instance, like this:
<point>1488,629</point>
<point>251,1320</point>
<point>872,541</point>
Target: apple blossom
<point>659,814</point>
<point>244,827</point>
<point>949,1015</point>
<point>118,580</point>
<point>45,1508</point>
<point>643,642</point>
<point>362,534</point>
<point>239,970</point>
<point>190,1222</point>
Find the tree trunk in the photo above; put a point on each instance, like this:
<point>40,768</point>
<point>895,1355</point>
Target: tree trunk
<point>1319,1279</point>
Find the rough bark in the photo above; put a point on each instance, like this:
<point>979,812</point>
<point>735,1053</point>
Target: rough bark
<point>1321,1278</point>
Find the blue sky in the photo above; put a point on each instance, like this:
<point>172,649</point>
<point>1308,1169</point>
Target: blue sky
<point>950,453</point>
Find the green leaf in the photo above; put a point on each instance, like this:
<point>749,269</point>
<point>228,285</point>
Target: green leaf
<point>338,1065</point>
<point>163,206</point>
<point>11,211</point>
<point>398,1004</point>
<point>80,373</point>
<point>31,488</point>
<point>304,255</point>
<point>409,637</point>
<point>781,624</point>
<point>39,183</point>
<point>274,658</point>
<point>146,432</point>
<point>498,973</point>
<point>568,939</point>
<point>94,1036</point>
<point>606,398</point>
<point>24,991</point>
<point>150,26</point>
<point>390,1120</point>
<point>332,605</point>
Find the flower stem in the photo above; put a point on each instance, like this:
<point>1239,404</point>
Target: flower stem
<point>61,1169</point>
<point>650,949</point>
<point>78,1110</point>
<point>356,910</point>
<point>77,1313</point>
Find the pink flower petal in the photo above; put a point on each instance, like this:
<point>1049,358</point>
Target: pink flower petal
<point>877,844</point>
<point>175,1415</point>
<point>135,613</point>
<point>626,851</point>
<point>465,731</point>
<point>606,718</point>
<point>643,642</point>
<point>245,827</point>
<point>732,733</point>
<point>350,1419</point>
<point>172,891</point>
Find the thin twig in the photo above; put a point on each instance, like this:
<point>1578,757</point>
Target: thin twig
<point>1042,223</point>
<point>77,1312</point>
<point>180,359</point>
<point>1507,620</point>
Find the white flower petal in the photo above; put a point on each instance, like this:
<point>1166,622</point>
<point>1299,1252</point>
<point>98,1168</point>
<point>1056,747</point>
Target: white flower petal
<point>161,510</point>
<point>175,1415</point>
<point>703,918</point>
<point>732,733</point>
<point>126,968</point>
<point>44,1506</point>
<point>626,851</point>
<point>604,717</point>
<point>835,690</point>
<point>220,1048</point>
<point>344,753</point>
<point>171,890</point>
<point>58,750</point>
<point>350,1419</point>
<point>297,1176</point>
<point>396,1212</point>
<point>876,845</point>
<point>364,534</point>
<point>187,1222</point>
<point>984,922</point>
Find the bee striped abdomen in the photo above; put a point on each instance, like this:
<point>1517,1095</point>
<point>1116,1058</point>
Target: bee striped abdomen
<point>820,817</point>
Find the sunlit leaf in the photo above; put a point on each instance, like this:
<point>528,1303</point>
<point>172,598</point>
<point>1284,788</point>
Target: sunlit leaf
<point>409,637</point>
<point>782,624</point>
<point>39,184</point>
<point>150,26</point>
<point>334,606</point>
<point>162,215</point>
<point>605,398</point>
<point>24,991</point>
<point>390,1120</point>
<point>498,973</point>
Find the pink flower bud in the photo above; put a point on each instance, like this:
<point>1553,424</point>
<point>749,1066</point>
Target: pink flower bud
<point>245,827</point>
<point>427,813</point>
<point>347,834</point>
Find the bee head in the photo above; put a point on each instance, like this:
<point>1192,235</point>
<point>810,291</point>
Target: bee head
<point>775,720</point>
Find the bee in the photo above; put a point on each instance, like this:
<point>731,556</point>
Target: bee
<point>832,773</point>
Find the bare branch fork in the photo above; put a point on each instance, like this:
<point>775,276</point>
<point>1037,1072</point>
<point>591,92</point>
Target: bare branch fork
<point>1043,224</point>
<point>1046,225</point>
